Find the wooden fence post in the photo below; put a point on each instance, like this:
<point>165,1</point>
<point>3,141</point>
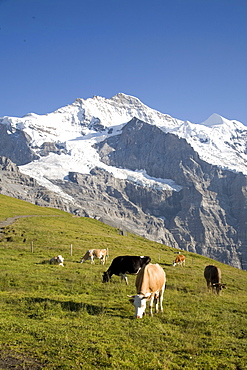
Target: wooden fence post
<point>71,247</point>
<point>31,246</point>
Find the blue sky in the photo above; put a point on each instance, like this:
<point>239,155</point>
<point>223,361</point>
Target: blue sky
<point>186,58</point>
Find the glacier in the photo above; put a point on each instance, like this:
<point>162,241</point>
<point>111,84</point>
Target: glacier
<point>79,126</point>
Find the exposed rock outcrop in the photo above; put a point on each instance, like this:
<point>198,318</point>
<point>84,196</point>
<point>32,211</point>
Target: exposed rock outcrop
<point>209,215</point>
<point>15,146</point>
<point>17,185</point>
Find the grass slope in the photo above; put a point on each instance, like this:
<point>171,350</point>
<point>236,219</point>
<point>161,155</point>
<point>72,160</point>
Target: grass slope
<point>65,318</point>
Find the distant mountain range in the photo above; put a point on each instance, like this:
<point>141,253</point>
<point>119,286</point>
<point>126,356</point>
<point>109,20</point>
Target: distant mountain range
<point>117,160</point>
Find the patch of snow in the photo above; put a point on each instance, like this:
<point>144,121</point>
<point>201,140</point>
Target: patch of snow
<point>83,158</point>
<point>217,140</point>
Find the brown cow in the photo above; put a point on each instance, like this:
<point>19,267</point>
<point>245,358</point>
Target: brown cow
<point>150,285</point>
<point>179,260</point>
<point>102,254</point>
<point>212,275</point>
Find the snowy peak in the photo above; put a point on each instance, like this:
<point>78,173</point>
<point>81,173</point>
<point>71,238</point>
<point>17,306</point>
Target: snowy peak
<point>124,99</point>
<point>217,140</point>
<point>213,120</point>
<point>122,162</point>
<point>217,120</point>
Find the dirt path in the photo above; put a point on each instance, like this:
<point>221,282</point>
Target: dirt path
<point>10,221</point>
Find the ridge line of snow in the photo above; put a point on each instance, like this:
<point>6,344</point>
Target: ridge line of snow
<point>217,140</point>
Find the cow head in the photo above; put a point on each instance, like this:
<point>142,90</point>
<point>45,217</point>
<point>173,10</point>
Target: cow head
<point>145,260</point>
<point>106,277</point>
<point>139,301</point>
<point>218,287</point>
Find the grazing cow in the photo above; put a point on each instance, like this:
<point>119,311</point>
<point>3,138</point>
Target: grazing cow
<point>102,254</point>
<point>123,265</point>
<point>212,275</point>
<point>150,285</point>
<point>179,260</point>
<point>57,260</point>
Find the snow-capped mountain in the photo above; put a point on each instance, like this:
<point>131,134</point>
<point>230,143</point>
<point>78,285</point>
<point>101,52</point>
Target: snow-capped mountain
<point>120,161</point>
<point>77,127</point>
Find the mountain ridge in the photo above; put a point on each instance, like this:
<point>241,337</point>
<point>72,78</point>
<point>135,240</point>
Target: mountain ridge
<point>126,164</point>
<point>213,142</point>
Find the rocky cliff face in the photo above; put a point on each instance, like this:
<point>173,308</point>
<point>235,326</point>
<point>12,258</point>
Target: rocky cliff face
<point>15,146</point>
<point>15,184</point>
<point>115,202</point>
<point>209,214</point>
<point>97,195</point>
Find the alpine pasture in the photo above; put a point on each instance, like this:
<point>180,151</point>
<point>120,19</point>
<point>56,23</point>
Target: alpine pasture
<point>54,317</point>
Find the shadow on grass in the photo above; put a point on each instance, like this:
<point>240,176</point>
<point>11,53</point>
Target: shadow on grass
<point>68,305</point>
<point>12,360</point>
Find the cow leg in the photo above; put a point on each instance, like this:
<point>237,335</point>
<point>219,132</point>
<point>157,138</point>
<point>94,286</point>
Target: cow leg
<point>151,305</point>
<point>92,259</point>
<point>156,303</point>
<point>216,288</point>
<point>124,277</point>
<point>161,298</point>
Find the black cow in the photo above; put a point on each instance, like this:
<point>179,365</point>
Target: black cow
<point>212,275</point>
<point>123,265</point>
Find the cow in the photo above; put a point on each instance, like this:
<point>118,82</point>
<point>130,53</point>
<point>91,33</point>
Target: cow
<point>150,285</point>
<point>57,260</point>
<point>102,254</point>
<point>179,260</point>
<point>212,275</point>
<point>123,265</point>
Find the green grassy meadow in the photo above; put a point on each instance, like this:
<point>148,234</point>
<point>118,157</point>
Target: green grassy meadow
<point>54,317</point>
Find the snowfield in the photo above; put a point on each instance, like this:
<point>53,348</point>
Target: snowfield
<point>77,127</point>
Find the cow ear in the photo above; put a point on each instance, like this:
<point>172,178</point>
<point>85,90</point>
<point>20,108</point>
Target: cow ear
<point>132,298</point>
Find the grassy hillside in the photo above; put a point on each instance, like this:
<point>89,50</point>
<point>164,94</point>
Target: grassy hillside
<point>10,207</point>
<point>54,317</point>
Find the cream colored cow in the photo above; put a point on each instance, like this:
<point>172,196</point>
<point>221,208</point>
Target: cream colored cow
<point>150,286</point>
<point>101,254</point>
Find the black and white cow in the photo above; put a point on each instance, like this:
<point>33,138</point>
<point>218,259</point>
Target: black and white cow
<point>123,265</point>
